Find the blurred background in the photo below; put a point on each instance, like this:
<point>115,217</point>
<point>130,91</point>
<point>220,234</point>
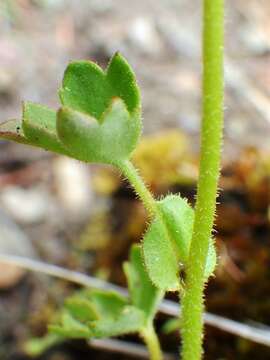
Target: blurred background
<point>85,218</point>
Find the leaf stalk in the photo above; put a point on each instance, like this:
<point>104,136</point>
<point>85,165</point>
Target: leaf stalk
<point>151,340</point>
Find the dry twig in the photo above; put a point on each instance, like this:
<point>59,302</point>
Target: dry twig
<point>259,334</point>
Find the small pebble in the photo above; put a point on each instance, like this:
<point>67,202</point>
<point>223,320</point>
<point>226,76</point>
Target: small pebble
<point>144,36</point>
<point>27,206</point>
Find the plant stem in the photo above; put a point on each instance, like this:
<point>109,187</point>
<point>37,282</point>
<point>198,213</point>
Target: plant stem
<point>131,173</point>
<point>211,139</point>
<point>151,340</point>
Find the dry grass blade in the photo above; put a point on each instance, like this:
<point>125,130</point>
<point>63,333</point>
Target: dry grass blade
<point>124,347</point>
<point>258,334</point>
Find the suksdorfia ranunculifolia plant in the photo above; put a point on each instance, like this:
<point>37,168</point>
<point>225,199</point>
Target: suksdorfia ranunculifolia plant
<point>99,121</point>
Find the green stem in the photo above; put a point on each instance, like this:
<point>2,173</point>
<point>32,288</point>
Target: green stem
<point>151,340</point>
<point>211,139</point>
<point>131,173</point>
<point>145,195</point>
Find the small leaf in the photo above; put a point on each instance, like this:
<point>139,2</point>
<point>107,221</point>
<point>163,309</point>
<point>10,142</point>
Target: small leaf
<point>102,314</point>
<point>81,309</point>
<point>12,130</point>
<point>36,346</point>
<point>130,320</point>
<point>80,133</point>
<point>116,317</point>
<point>88,89</point>
<point>171,325</point>
<point>144,295</point>
<point>178,216</point>
<point>85,88</point>
<point>39,127</point>
<point>123,81</point>
<point>160,258</point>
<point>166,243</point>
<point>69,327</point>
<point>108,304</point>
<point>108,142</point>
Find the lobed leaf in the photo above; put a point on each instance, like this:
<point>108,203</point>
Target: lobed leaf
<point>98,314</point>
<point>99,122</point>
<point>108,142</point>
<point>123,81</point>
<point>115,315</point>
<point>70,327</point>
<point>88,89</point>
<point>108,304</point>
<point>130,320</point>
<point>81,309</point>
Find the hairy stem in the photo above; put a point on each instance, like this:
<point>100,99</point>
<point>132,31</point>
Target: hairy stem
<point>131,173</point>
<point>148,200</point>
<point>151,340</point>
<point>211,139</point>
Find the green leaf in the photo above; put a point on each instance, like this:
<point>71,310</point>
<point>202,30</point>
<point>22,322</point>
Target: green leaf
<point>144,295</point>
<point>160,258</point>
<point>88,89</point>
<point>123,81</point>
<point>81,309</point>
<point>130,320</point>
<point>12,130</point>
<point>116,317</point>
<point>108,304</point>
<point>99,122</point>
<point>178,216</point>
<point>171,325</point>
<point>98,314</point>
<point>39,127</point>
<point>70,327</point>
<point>167,241</point>
<point>108,142</point>
<point>36,346</point>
